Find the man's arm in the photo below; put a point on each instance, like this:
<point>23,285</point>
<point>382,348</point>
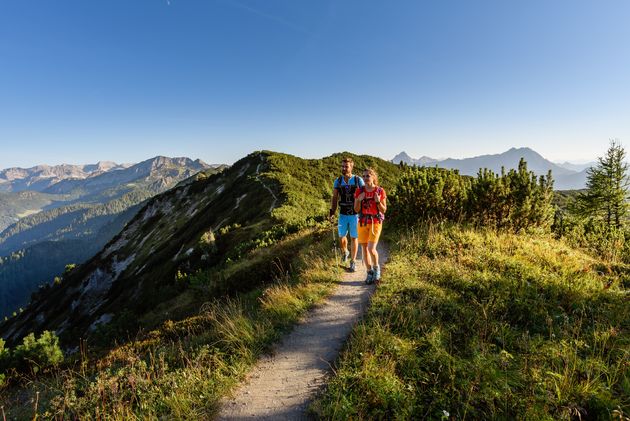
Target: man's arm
<point>333,203</point>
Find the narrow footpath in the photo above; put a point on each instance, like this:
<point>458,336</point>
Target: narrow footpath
<point>282,385</point>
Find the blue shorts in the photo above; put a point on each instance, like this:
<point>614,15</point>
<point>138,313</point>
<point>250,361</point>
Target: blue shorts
<point>348,224</point>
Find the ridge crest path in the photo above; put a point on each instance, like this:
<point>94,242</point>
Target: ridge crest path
<point>282,385</point>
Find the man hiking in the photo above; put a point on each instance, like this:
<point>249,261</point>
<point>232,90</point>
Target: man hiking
<point>343,194</point>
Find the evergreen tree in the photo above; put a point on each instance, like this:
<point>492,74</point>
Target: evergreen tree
<point>607,189</point>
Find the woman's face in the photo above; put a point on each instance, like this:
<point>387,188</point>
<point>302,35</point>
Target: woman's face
<point>367,177</point>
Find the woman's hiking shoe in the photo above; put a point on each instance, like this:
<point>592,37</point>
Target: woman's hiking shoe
<point>353,266</point>
<point>345,256</point>
<point>377,274</point>
<point>370,277</point>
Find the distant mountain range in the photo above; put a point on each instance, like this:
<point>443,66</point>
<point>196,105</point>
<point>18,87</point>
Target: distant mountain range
<point>72,211</point>
<point>41,177</point>
<point>576,167</point>
<point>565,177</point>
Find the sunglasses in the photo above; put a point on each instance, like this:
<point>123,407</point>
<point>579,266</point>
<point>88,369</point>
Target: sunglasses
<point>366,175</point>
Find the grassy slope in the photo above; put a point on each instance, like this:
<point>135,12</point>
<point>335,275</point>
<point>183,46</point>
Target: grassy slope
<point>484,326</point>
<point>263,273</point>
<point>183,368</point>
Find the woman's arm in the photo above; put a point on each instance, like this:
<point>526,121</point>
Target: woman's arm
<point>381,202</point>
<point>382,205</point>
<point>357,202</point>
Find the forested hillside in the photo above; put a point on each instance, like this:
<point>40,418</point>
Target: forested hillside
<point>24,271</point>
<point>80,217</point>
<point>14,206</point>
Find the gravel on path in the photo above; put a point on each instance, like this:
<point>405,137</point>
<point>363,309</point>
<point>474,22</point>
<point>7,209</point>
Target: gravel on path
<point>283,384</point>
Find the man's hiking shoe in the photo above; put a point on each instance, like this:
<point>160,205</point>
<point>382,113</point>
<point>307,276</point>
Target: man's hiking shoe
<point>353,266</point>
<point>345,256</point>
<point>370,277</point>
<point>377,274</point>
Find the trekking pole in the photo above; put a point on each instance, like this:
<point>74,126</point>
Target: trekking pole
<point>334,228</point>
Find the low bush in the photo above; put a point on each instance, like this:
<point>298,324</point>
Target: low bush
<point>32,356</point>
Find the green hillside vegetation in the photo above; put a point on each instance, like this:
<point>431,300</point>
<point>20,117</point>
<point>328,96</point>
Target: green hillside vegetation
<point>181,369</point>
<point>192,233</point>
<point>206,314</point>
<point>483,325</point>
<point>475,321</point>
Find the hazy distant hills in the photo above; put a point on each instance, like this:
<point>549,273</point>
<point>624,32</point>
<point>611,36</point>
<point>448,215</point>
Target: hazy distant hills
<point>564,178</point>
<point>25,192</point>
<point>76,212</point>
<point>576,167</point>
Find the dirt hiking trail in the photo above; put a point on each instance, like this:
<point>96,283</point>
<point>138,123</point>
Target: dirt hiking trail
<point>283,384</point>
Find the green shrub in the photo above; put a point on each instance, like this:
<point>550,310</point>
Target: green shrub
<point>517,200</point>
<point>36,354</point>
<point>5,356</point>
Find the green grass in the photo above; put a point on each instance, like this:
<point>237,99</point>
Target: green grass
<point>183,368</point>
<point>477,325</point>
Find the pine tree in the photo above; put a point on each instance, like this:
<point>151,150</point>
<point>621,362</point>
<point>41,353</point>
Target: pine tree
<point>607,189</point>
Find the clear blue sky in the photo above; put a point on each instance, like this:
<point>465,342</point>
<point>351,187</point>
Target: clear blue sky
<point>125,80</point>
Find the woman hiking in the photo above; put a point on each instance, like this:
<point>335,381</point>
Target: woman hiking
<point>371,203</point>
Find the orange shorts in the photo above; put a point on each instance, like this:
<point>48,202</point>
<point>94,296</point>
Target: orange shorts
<point>369,233</point>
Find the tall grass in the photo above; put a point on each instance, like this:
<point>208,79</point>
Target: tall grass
<point>182,370</point>
<point>473,324</point>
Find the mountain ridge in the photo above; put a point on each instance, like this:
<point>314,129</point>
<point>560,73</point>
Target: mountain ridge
<point>213,221</point>
<point>564,178</point>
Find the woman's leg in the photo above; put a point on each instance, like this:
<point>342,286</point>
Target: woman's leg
<point>375,233</point>
<point>372,252</point>
<point>366,256</point>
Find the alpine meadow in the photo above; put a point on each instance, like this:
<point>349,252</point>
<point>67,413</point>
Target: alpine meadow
<point>489,308</point>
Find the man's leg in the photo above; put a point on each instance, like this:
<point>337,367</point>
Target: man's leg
<point>343,229</point>
<point>343,243</point>
<point>353,228</point>
<point>354,243</point>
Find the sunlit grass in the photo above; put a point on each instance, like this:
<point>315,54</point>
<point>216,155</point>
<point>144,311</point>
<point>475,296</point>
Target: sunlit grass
<point>479,325</point>
<point>182,369</point>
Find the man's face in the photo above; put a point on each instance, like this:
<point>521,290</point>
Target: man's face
<point>346,168</point>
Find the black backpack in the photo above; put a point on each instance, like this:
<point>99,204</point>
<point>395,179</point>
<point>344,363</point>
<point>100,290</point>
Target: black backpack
<point>346,207</point>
